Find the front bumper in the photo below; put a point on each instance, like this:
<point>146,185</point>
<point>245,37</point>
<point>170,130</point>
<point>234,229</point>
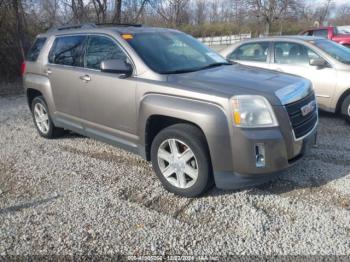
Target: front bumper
<point>246,173</point>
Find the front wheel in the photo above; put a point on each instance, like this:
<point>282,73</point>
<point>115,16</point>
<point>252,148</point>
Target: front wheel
<point>345,109</point>
<point>180,158</point>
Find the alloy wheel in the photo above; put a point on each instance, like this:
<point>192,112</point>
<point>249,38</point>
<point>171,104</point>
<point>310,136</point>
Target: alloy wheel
<point>177,163</point>
<point>41,118</point>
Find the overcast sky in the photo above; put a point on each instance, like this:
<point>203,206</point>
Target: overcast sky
<point>338,2</point>
<point>341,1</point>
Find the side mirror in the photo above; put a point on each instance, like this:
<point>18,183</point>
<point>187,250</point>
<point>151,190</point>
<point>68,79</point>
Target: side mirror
<point>319,62</point>
<point>116,66</point>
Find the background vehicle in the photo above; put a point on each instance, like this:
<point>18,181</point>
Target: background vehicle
<point>325,63</point>
<point>164,95</point>
<point>331,33</point>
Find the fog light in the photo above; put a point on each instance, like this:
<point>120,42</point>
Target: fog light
<point>260,155</point>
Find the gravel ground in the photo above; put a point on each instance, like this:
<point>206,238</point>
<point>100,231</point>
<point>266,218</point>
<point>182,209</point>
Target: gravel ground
<point>11,89</point>
<point>75,195</point>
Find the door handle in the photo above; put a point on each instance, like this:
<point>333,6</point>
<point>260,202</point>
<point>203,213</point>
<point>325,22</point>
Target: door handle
<point>48,71</point>
<point>85,78</point>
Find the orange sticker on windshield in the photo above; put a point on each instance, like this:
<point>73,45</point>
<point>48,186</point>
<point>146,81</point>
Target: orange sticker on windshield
<point>127,36</point>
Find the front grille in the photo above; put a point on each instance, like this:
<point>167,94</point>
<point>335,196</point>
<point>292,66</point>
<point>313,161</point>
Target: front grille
<point>302,125</point>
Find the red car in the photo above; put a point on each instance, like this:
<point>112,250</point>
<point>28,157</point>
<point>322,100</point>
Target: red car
<point>330,32</point>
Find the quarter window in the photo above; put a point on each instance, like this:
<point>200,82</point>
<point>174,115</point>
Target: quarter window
<point>101,48</point>
<point>67,50</point>
<point>36,48</point>
<point>256,52</point>
<point>293,53</point>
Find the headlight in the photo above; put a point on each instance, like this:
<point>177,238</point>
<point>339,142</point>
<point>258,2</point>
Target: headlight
<point>252,111</point>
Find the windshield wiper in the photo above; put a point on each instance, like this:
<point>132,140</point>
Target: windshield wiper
<point>180,71</point>
<point>214,65</point>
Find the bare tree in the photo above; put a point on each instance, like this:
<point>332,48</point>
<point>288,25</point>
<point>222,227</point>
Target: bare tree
<point>322,12</point>
<point>343,17</point>
<point>117,11</point>
<point>18,11</point>
<point>78,9</point>
<point>100,7</point>
<point>269,10</point>
<point>133,10</point>
<point>173,12</point>
<point>200,11</point>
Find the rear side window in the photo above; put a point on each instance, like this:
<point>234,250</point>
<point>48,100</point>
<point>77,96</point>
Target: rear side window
<point>256,52</point>
<point>99,49</point>
<point>67,50</point>
<point>293,54</point>
<point>34,52</point>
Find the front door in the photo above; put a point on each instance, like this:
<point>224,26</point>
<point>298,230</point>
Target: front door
<point>107,101</point>
<point>294,58</point>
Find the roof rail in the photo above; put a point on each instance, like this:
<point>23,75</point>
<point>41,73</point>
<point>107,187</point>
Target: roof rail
<point>90,25</point>
<point>68,27</point>
<point>119,24</point>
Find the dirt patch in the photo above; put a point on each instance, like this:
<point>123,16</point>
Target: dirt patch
<point>169,205</point>
<point>109,156</point>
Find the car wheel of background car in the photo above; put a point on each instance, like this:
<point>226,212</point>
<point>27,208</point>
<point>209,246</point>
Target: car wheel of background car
<point>345,108</point>
<point>181,160</point>
<point>42,120</point>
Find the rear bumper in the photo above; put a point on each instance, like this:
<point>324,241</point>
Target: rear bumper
<point>276,162</point>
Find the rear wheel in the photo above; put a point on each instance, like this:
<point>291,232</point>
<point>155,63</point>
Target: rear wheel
<point>181,160</point>
<point>345,108</point>
<point>42,120</point>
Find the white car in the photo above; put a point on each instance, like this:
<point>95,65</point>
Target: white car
<point>325,63</point>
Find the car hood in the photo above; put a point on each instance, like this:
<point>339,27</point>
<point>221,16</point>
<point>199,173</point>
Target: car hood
<point>229,80</point>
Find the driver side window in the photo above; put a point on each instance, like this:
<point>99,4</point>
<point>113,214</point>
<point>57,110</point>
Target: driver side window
<point>101,48</point>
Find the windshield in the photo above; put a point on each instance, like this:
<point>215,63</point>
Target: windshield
<point>337,51</point>
<point>173,52</point>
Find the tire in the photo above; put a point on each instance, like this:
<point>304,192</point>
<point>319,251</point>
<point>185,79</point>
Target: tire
<point>190,174</point>
<point>42,119</point>
<point>345,108</point>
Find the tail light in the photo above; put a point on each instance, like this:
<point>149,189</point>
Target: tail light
<point>23,68</point>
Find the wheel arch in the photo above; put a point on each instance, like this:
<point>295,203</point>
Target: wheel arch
<point>31,94</point>
<point>39,85</point>
<point>160,111</point>
<point>341,99</point>
<point>156,123</point>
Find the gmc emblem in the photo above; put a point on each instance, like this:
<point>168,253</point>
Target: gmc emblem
<point>307,109</point>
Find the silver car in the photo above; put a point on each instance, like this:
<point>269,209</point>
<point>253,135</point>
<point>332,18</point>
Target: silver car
<point>325,63</point>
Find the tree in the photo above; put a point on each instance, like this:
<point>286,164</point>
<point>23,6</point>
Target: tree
<point>117,11</point>
<point>200,12</point>
<point>269,10</point>
<point>100,7</point>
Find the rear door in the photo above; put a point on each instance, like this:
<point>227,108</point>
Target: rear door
<point>64,69</point>
<point>294,58</point>
<point>252,54</point>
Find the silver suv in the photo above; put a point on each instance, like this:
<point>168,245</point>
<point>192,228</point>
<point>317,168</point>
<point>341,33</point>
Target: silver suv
<point>165,96</point>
